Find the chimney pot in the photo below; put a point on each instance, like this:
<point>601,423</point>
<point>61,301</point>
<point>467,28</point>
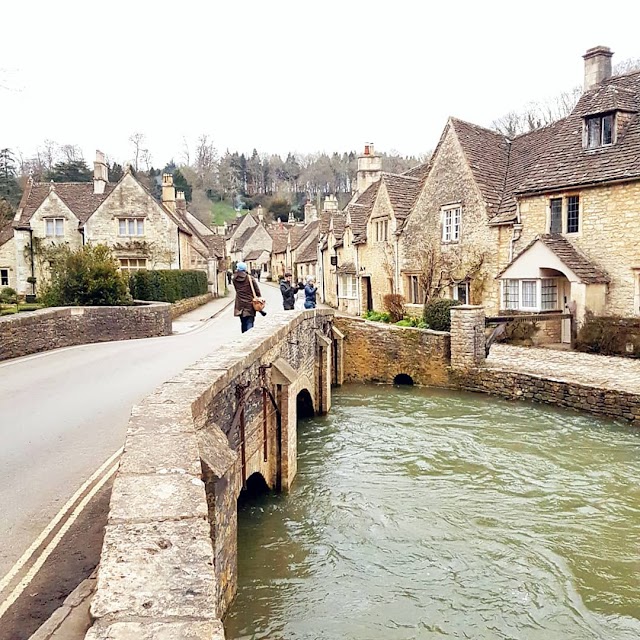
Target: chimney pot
<point>100,173</point>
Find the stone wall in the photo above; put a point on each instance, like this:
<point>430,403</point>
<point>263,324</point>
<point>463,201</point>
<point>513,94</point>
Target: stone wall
<point>169,557</point>
<point>525,386</point>
<point>189,304</point>
<point>607,235</point>
<point>467,337</point>
<point>378,352</point>
<point>47,329</point>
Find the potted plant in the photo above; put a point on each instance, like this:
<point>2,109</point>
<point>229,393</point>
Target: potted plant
<point>31,297</point>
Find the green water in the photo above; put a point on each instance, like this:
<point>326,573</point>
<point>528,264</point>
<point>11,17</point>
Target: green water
<point>421,513</point>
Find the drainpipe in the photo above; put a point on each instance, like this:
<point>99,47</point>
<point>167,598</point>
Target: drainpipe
<point>515,236</point>
<point>397,256</point>
<point>33,268</point>
<point>358,289</point>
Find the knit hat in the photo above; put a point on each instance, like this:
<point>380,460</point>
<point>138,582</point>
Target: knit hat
<point>241,266</point>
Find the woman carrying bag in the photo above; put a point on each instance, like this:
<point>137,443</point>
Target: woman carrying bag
<point>248,300</point>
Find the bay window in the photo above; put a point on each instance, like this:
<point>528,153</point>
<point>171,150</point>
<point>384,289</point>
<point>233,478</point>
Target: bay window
<point>530,295</point>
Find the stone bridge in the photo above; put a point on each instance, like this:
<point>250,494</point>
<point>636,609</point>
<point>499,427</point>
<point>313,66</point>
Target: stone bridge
<point>169,560</point>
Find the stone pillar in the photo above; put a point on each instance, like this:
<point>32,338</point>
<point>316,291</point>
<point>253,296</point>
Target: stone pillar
<point>338,360</point>
<point>467,337</point>
<point>323,374</point>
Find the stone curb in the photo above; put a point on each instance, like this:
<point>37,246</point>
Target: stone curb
<point>71,620</point>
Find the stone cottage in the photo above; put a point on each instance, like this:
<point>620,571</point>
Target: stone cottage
<point>142,232</point>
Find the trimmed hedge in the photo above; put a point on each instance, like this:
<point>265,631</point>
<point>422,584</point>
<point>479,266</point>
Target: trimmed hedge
<point>437,314</point>
<point>610,335</point>
<point>167,285</point>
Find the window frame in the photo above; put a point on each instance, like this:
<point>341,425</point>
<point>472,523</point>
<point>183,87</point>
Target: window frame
<point>137,222</point>
<point>414,289</point>
<point>455,291</point>
<point>57,224</point>
<point>3,278</point>
<point>132,269</point>
<point>451,222</point>
<point>567,199</point>
<point>595,128</point>
<point>348,286</point>
<point>518,289</point>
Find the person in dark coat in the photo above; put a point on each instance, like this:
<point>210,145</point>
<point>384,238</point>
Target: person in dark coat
<point>243,307</point>
<point>310,291</point>
<point>288,292</point>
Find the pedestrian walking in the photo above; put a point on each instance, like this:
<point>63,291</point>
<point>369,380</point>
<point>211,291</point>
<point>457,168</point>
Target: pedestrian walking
<point>246,290</point>
<point>310,291</point>
<point>288,291</point>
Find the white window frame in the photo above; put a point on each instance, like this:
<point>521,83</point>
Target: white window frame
<point>348,286</point>
<point>55,225</point>
<point>537,307</point>
<point>451,223</point>
<point>599,131</point>
<point>455,292</point>
<point>414,289</point>
<point>3,277</point>
<point>131,224</point>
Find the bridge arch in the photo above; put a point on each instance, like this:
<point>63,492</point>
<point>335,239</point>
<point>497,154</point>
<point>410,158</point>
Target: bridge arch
<point>403,379</point>
<point>304,404</point>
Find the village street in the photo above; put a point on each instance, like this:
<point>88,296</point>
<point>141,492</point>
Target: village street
<point>65,412</point>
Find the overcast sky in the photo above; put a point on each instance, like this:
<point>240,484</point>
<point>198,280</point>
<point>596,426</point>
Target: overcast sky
<point>279,75</point>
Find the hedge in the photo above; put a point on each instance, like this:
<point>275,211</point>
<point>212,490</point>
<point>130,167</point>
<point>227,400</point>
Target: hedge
<point>609,335</point>
<point>437,314</point>
<point>167,285</point>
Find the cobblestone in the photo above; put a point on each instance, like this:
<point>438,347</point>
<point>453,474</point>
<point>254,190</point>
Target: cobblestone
<point>605,372</point>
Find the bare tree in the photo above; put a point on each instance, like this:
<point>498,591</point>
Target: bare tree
<point>138,140</point>
<point>626,66</point>
<point>206,162</point>
<point>71,153</point>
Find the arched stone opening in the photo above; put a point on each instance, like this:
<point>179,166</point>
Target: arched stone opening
<point>403,379</point>
<point>304,405</point>
<point>256,487</point>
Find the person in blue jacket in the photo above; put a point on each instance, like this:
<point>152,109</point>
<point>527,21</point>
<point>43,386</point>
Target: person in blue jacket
<point>310,291</point>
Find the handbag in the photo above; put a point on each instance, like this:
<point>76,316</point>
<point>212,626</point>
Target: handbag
<point>257,303</point>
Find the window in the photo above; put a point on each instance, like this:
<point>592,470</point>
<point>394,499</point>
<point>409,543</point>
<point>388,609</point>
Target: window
<point>530,295</point>
<point>348,286</point>
<point>4,277</point>
<point>549,295</point>
<point>510,298</point>
<point>131,227</point>
<point>460,292</point>
<point>381,230</point>
<point>451,224</point>
<point>416,294</point>
<point>600,131</point>
<point>132,264</point>
<point>54,227</point>
<point>556,216</point>
<point>564,215</point>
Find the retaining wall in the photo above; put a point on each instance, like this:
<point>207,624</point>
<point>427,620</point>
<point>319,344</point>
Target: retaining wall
<point>189,304</point>
<point>378,352</point>
<point>47,329</point>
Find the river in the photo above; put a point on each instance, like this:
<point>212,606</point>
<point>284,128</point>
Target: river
<point>424,513</point>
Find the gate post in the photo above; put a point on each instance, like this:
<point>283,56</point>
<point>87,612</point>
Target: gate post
<point>467,337</point>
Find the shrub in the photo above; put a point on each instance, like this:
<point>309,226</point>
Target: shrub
<point>167,285</point>
<point>394,304</point>
<point>8,296</point>
<point>376,316</point>
<point>610,335</point>
<point>437,314</point>
<point>85,277</point>
<point>521,331</point>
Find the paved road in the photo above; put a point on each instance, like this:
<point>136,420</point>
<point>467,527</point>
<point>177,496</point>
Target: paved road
<point>63,413</point>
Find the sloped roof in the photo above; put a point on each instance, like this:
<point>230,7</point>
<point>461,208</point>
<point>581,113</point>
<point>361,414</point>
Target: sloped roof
<point>310,252</point>
<point>325,218</point>
<point>608,97</point>
<point>420,172</point>
<point>403,191</point>
<point>360,210</point>
<point>347,267</point>
<point>487,154</point>
<point>254,255</point>
<point>216,245</point>
<point>6,233</point>
<point>297,234</point>
<point>585,269</point>
<point>242,240</point>
<point>280,237</point>
<point>78,196</point>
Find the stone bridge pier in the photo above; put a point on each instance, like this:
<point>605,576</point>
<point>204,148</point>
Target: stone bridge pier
<point>169,558</point>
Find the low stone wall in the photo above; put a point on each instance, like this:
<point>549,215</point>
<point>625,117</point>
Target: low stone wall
<point>189,304</point>
<point>562,393</point>
<point>168,564</point>
<point>378,352</point>
<point>46,329</point>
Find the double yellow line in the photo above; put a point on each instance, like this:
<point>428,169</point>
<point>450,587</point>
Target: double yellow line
<point>102,476</point>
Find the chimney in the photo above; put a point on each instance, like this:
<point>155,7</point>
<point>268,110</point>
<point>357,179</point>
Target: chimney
<point>260,213</point>
<point>181,202</point>
<point>330,203</point>
<point>369,169</point>
<point>597,66</point>
<point>168,192</point>
<point>291,219</point>
<point>100,173</point>
<point>310,213</point>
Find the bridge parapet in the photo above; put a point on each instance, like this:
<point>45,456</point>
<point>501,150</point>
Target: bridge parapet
<point>170,551</point>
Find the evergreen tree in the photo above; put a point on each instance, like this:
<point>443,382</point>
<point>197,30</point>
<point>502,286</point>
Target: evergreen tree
<point>181,184</point>
<point>115,172</point>
<point>10,190</point>
<point>71,171</point>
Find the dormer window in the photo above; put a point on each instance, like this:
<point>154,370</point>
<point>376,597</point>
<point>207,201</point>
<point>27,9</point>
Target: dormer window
<point>600,131</point>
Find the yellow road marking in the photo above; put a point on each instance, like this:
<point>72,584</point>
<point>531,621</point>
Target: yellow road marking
<point>52,525</point>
